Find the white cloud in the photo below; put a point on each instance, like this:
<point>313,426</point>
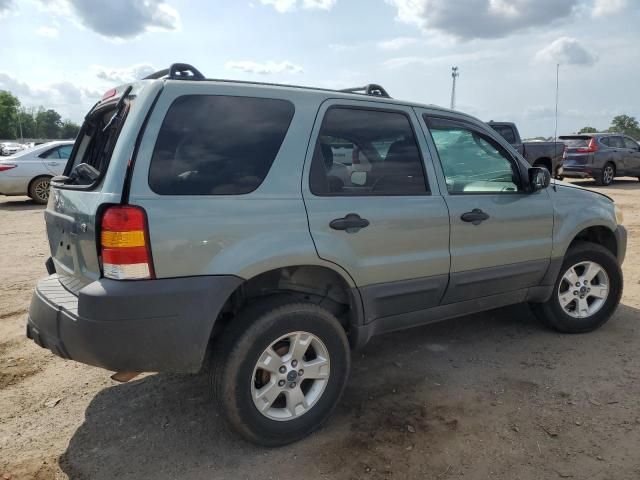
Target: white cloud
<point>284,6</point>
<point>608,7</point>
<point>70,100</point>
<point>264,68</point>
<point>119,19</point>
<point>125,74</point>
<point>566,51</point>
<point>481,18</point>
<point>50,32</point>
<point>5,5</point>
<point>319,4</point>
<point>397,43</point>
<point>453,59</point>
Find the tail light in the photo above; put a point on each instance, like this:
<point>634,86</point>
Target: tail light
<point>124,243</point>
<point>564,153</point>
<point>6,167</point>
<point>592,147</point>
<point>355,155</point>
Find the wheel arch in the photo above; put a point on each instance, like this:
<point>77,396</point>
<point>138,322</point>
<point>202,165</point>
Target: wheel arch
<point>319,284</point>
<point>544,162</point>
<point>599,234</point>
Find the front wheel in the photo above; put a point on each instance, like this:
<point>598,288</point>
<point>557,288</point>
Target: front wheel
<point>280,370</point>
<point>586,293</point>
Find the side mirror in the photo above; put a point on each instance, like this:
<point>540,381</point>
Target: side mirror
<point>359,178</point>
<point>539,178</point>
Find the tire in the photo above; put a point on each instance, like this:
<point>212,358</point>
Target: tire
<point>39,190</point>
<point>554,315</point>
<point>607,175</point>
<point>236,377</point>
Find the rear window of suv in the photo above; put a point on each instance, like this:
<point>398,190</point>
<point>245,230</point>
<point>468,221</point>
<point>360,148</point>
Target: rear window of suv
<point>575,142</point>
<point>218,145</point>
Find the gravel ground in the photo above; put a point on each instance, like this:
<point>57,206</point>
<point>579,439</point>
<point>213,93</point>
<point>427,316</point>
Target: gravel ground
<point>493,395</point>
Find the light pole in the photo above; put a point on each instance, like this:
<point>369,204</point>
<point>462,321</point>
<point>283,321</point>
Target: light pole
<point>454,74</point>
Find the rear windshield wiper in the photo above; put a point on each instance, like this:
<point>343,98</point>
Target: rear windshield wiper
<point>118,110</point>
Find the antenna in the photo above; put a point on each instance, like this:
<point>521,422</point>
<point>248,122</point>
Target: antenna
<point>454,74</point>
<point>555,135</point>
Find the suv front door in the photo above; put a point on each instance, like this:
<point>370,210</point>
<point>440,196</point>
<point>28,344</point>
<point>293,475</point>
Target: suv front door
<point>387,225</point>
<point>501,236</point>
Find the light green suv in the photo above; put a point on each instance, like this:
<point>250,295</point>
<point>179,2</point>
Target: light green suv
<point>269,229</point>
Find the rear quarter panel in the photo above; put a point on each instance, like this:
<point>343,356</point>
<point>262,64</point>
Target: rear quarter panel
<point>241,235</point>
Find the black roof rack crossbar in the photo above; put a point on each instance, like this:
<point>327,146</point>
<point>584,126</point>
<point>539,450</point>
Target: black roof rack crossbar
<point>371,89</point>
<point>177,71</point>
<point>184,71</point>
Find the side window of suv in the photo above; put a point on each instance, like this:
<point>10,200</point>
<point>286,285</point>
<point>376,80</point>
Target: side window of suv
<point>630,144</point>
<point>366,152</point>
<point>473,162</point>
<point>218,145</point>
<point>616,142</point>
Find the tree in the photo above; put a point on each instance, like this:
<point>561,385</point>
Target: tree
<point>69,130</point>
<point>625,124</point>
<point>27,122</point>
<point>588,130</point>
<point>8,115</point>
<point>48,124</point>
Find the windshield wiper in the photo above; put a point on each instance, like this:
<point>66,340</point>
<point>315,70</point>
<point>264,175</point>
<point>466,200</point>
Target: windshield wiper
<point>119,108</point>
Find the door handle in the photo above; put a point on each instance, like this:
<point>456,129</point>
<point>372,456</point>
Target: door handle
<point>53,164</point>
<point>475,216</point>
<point>350,222</point>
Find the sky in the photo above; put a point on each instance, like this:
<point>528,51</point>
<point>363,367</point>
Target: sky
<point>64,54</point>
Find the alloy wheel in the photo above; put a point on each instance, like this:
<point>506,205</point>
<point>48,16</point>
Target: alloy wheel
<point>290,376</point>
<point>583,289</point>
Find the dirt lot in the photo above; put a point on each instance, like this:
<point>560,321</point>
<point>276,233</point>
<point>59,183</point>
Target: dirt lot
<point>486,396</point>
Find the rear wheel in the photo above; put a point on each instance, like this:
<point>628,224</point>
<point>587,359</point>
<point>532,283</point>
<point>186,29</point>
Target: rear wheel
<point>39,190</point>
<point>279,370</point>
<point>586,293</point>
<point>607,174</point>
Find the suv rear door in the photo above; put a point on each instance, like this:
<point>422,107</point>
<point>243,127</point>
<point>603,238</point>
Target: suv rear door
<point>386,225</point>
<point>501,236</point>
<point>104,145</point>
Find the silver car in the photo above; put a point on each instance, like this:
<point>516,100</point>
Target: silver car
<point>28,172</point>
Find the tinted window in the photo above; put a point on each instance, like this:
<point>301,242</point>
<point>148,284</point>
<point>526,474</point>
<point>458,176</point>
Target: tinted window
<point>472,161</point>
<point>65,151</point>
<point>605,141</point>
<point>576,142</point>
<point>628,143</point>
<point>217,145</point>
<point>53,153</point>
<point>506,132</point>
<point>616,142</point>
<point>382,152</point>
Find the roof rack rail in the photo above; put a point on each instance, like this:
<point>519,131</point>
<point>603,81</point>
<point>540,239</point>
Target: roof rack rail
<point>371,89</point>
<point>177,71</point>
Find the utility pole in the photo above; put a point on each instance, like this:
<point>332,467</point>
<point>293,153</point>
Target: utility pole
<point>454,74</point>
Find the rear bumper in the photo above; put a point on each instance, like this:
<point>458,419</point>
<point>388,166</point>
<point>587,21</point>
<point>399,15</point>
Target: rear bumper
<point>159,325</point>
<point>580,171</point>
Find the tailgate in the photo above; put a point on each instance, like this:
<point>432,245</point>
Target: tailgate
<point>76,200</point>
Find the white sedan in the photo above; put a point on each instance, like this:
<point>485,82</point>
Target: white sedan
<point>28,172</point>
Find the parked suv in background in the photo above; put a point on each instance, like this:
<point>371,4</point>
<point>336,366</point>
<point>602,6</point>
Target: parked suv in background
<point>201,215</point>
<point>602,156</point>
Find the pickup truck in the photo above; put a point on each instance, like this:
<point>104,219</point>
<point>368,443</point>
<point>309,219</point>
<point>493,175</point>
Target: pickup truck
<point>538,154</point>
